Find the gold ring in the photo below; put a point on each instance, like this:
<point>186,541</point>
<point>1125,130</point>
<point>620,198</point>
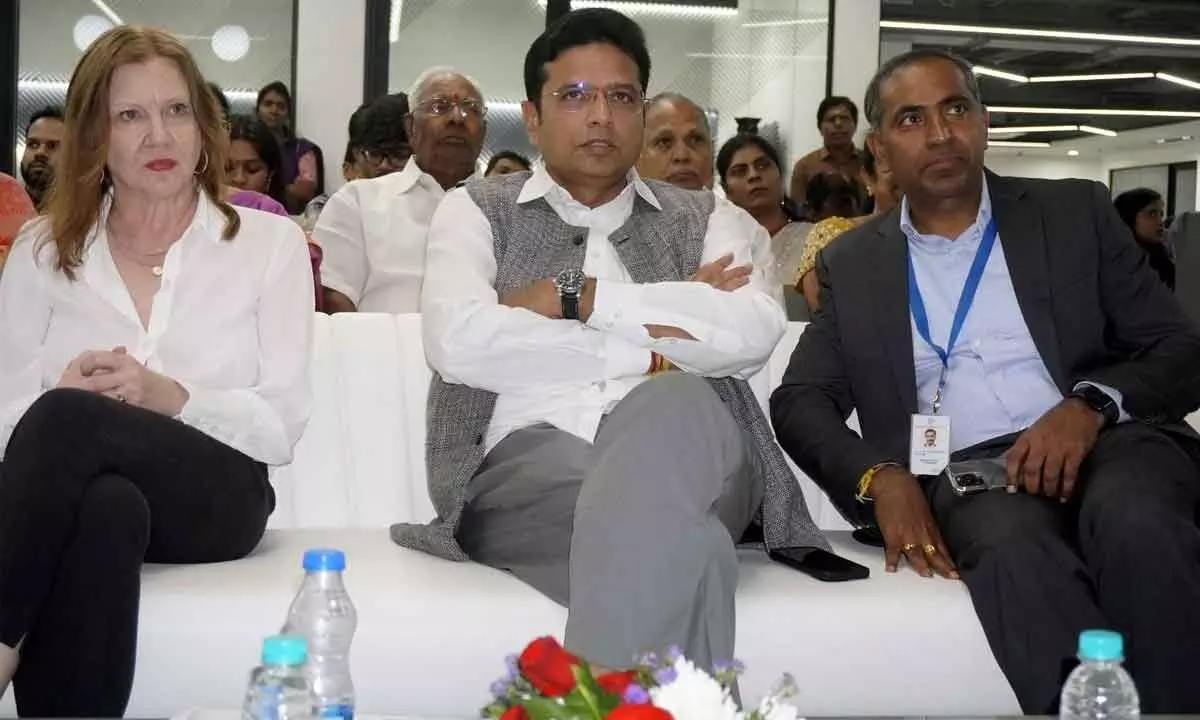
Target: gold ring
<point>908,547</point>
<point>929,549</point>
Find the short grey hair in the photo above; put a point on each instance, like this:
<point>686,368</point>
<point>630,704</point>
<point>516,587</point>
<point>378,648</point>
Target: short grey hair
<point>675,97</point>
<point>873,103</point>
<point>416,95</point>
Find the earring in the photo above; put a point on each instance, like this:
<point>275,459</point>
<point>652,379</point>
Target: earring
<point>204,166</point>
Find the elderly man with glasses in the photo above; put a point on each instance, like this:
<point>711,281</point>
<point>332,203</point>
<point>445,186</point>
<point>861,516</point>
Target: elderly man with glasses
<point>373,231</point>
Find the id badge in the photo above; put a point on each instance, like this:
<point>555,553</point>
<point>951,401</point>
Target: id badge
<point>929,448</point>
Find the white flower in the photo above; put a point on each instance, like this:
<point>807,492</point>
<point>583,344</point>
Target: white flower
<point>695,695</point>
<point>774,708</point>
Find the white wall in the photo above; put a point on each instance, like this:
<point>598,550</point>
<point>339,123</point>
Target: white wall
<point>1054,167</point>
<point>329,76</point>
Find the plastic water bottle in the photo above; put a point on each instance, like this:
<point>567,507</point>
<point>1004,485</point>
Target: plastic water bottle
<point>1099,688</point>
<point>279,688</point>
<point>324,616</point>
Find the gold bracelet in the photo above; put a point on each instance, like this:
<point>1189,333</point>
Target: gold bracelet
<point>864,483</point>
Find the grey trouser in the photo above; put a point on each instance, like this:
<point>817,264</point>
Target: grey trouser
<point>633,533</point>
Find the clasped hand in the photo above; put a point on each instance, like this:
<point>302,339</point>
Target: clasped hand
<point>116,374</point>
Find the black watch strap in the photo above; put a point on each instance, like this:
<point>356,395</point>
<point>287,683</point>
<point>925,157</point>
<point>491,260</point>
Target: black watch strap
<point>570,306</point>
<point>1098,400</point>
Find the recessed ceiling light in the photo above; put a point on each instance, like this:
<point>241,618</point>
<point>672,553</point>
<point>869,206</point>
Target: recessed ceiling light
<point>1039,33</point>
<point>1124,112</point>
<point>993,72</point>
<point>1072,153</point>
<point>1019,129</point>
<point>1017,144</point>
<point>1178,80</point>
<point>681,9</point>
<point>1090,78</point>
<point>1097,131</point>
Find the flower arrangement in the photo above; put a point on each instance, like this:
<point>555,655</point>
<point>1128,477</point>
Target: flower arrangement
<point>545,682</point>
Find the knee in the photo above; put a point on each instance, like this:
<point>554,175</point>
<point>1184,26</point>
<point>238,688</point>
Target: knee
<point>115,517</point>
<point>56,414</point>
<point>677,397</point>
<point>1131,523</point>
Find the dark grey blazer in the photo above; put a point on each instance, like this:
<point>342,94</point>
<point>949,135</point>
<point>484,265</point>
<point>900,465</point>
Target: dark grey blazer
<point>1093,306</point>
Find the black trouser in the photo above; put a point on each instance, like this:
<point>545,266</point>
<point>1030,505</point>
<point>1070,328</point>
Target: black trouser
<point>90,489</point>
<point>1124,554</point>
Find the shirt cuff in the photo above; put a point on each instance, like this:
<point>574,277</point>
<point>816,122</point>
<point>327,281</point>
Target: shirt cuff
<point>1113,393</point>
<point>609,302</point>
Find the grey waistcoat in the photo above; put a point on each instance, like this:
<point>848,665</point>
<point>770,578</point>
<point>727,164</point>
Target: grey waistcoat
<point>532,243</point>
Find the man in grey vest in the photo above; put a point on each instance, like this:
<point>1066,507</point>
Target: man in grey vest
<point>590,428</point>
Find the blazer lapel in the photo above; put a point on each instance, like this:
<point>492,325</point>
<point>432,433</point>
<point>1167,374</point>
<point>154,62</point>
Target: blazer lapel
<point>889,290</point>
<point>1023,240</point>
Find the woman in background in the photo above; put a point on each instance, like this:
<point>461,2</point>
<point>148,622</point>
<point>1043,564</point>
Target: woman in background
<point>303,163</point>
<point>750,174</point>
<point>1142,211</point>
<point>138,416</point>
<point>882,190</point>
<point>255,166</point>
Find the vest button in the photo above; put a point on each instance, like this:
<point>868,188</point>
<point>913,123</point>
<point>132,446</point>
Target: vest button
<point>479,439</point>
<point>579,240</point>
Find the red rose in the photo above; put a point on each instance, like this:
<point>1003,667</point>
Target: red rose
<point>516,712</point>
<point>547,666</point>
<point>638,712</point>
<point>616,682</point>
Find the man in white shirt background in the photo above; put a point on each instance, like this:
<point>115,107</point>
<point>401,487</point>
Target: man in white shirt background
<point>561,447</point>
<point>373,232</point>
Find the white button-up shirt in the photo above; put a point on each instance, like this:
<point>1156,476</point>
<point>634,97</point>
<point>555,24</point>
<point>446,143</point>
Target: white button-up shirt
<point>567,373</point>
<point>231,322</point>
<point>372,233</point>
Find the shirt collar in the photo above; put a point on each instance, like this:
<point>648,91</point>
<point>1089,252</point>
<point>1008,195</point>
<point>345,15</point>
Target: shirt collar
<point>408,178</point>
<point>971,234</point>
<point>540,184</point>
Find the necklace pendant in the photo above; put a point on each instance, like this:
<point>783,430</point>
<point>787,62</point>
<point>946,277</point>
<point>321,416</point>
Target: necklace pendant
<point>157,270</point>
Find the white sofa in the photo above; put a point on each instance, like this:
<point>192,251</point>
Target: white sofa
<point>432,634</point>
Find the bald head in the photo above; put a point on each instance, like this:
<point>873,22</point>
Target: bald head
<point>678,146</point>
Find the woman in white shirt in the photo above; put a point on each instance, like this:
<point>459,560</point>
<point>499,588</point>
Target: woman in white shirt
<point>154,346</point>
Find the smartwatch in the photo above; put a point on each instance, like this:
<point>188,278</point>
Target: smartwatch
<point>569,284</point>
<point>1098,400</point>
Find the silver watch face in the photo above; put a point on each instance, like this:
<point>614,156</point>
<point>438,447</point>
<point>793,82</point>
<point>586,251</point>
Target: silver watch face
<point>570,282</point>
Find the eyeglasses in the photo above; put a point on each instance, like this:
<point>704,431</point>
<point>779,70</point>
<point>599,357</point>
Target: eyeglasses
<point>391,156</point>
<point>469,107</point>
<point>620,98</point>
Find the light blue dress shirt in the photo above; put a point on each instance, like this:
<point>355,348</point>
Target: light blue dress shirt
<point>997,382</point>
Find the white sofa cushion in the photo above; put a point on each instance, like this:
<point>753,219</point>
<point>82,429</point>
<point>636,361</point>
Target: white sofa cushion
<point>433,634</point>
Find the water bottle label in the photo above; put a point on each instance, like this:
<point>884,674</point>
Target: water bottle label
<point>337,711</point>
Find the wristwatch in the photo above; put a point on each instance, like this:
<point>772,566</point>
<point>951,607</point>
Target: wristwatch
<point>569,284</point>
<point>1098,400</point>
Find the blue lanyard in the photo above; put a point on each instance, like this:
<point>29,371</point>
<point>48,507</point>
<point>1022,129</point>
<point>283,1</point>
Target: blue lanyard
<point>916,304</point>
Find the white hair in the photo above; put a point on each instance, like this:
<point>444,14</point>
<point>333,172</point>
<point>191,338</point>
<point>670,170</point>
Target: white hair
<point>417,93</point>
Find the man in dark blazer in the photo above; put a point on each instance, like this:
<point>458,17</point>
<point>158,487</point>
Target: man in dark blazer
<point>1068,361</point>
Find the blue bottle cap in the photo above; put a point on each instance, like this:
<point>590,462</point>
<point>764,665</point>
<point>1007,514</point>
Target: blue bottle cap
<point>290,650</point>
<point>324,559</point>
<point>1101,645</point>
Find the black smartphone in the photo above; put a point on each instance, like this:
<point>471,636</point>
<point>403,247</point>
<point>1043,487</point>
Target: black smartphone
<point>820,564</point>
<point>870,535</point>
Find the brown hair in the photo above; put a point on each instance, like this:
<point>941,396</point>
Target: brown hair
<point>81,179</point>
